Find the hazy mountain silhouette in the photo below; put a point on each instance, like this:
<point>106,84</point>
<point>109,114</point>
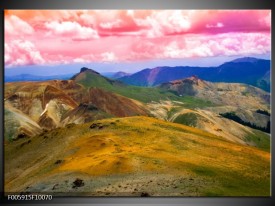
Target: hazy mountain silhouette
<point>246,70</point>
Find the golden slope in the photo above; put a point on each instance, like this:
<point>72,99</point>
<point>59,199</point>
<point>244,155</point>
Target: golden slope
<point>141,154</point>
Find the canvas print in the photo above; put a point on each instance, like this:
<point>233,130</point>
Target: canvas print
<point>137,102</point>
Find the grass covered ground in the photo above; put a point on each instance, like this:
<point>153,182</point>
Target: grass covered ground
<point>135,155</point>
<point>189,119</point>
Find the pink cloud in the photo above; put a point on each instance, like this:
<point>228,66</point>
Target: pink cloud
<point>71,30</point>
<point>217,25</point>
<point>21,52</point>
<point>111,24</point>
<point>160,23</point>
<point>16,26</point>
<point>52,37</point>
<point>108,56</point>
<point>226,44</point>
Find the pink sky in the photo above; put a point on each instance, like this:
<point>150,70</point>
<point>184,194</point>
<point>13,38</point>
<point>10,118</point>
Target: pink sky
<point>41,37</point>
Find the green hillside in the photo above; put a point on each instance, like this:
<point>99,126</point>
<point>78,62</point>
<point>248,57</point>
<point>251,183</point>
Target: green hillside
<point>143,94</point>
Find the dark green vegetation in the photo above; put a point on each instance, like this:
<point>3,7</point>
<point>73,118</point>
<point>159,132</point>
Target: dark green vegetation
<point>194,102</point>
<point>232,186</point>
<point>189,119</point>
<point>263,112</point>
<point>259,139</point>
<point>234,117</point>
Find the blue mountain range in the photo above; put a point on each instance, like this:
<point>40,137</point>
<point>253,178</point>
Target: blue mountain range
<point>246,70</point>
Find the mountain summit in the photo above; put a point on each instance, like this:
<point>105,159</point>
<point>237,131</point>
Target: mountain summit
<point>85,69</point>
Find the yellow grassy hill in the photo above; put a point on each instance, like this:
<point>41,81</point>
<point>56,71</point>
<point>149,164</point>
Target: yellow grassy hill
<point>135,156</point>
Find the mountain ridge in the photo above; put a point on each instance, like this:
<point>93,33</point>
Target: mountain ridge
<point>246,70</point>
<point>30,77</point>
<point>90,96</point>
<point>115,75</point>
<point>216,92</point>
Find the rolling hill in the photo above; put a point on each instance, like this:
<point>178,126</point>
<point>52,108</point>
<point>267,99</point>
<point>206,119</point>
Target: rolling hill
<point>209,119</point>
<point>135,156</point>
<point>233,94</point>
<point>240,99</point>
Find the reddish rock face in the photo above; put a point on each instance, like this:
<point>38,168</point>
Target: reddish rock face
<point>114,104</point>
<point>56,103</point>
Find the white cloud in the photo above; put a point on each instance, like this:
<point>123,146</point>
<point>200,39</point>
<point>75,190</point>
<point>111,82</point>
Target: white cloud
<point>178,21</point>
<point>87,18</point>
<point>79,60</point>
<point>74,29</point>
<point>161,23</point>
<point>130,12</point>
<point>110,25</point>
<point>215,45</point>
<point>21,52</point>
<point>266,20</point>
<point>173,51</point>
<point>108,56</point>
<point>7,56</point>
<point>84,58</point>
<point>16,26</point>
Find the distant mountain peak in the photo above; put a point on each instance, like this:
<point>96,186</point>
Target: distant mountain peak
<point>194,78</point>
<point>246,59</point>
<point>120,74</point>
<point>84,69</point>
